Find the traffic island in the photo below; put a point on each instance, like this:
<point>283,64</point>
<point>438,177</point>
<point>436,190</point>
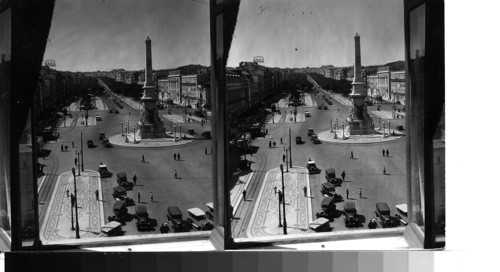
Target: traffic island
<point>343,137</point>
<point>137,141</point>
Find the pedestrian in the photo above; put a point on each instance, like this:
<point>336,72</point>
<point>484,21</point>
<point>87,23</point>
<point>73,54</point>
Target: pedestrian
<point>387,152</point>
<point>305,191</point>
<point>62,148</point>
<point>205,151</point>
<point>384,170</point>
<point>383,152</point>
<point>360,195</point>
<point>274,144</point>
<point>76,160</point>
<point>152,199</point>
<point>280,196</point>
<point>284,156</point>
<point>67,193</point>
<point>72,196</point>
<point>138,197</point>
<point>175,173</point>
<point>178,156</point>
<point>97,195</point>
<point>270,144</point>
<point>244,193</point>
<point>175,156</point>
<point>281,140</point>
<point>343,176</point>
<point>352,155</point>
<point>275,190</point>
<point>135,179</point>
<point>65,147</point>
<point>347,193</point>
<point>73,144</point>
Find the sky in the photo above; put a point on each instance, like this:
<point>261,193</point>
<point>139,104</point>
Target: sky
<point>109,34</point>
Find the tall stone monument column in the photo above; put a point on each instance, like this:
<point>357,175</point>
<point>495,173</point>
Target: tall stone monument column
<point>150,125</point>
<point>359,121</point>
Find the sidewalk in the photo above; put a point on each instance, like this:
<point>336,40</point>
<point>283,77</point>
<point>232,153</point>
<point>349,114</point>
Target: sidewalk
<point>236,195</point>
<point>290,118</point>
<point>264,219</point>
<point>57,222</point>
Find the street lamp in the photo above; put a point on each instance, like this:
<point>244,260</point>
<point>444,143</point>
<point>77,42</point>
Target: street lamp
<point>331,128</point>
<point>81,146</point>
<point>122,128</point>
<point>379,122</point>
<point>170,126</point>
<point>343,135</point>
<point>286,159</point>
<point>383,131</point>
<point>72,200</point>
<point>180,132</point>
<point>389,125</point>
<point>337,120</point>
<point>175,133</point>
<point>290,144</point>
<point>134,134</point>
<point>76,206</point>
<point>283,198</point>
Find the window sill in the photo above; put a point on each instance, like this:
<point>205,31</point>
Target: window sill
<point>380,239</point>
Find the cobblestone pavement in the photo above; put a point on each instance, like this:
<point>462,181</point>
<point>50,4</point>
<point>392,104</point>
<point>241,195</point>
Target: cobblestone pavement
<point>57,222</point>
<point>264,219</point>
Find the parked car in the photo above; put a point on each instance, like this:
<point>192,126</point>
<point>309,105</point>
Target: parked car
<point>332,178</point>
<point>325,107</point>
<point>320,225</point>
<point>199,113</point>
<point>210,211</point>
<point>199,220</point>
<point>103,171</point>
<point>106,143</point>
<point>110,111</point>
<point>143,220</point>
<point>120,193</point>
<point>351,214</point>
<point>307,114</point>
<point>121,178</point>
<point>190,131</point>
<point>316,140</point>
<point>383,212</point>
<point>206,134</point>
<point>328,209</point>
<point>310,132</point>
<point>98,118</point>
<point>312,168</point>
<point>90,144</point>
<point>116,111</point>
<point>112,228</point>
<point>298,140</point>
<point>320,107</point>
<point>102,136</point>
<point>120,212</point>
<point>175,223</point>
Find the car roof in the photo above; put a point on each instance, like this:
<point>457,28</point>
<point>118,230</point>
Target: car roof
<point>311,162</point>
<point>118,205</point>
<point>141,208</point>
<point>326,201</point>
<point>102,166</point>
<point>349,205</point>
<point>196,211</point>
<point>210,205</point>
<point>120,189</point>
<point>382,206</point>
<point>330,170</point>
<point>121,174</point>
<point>174,210</point>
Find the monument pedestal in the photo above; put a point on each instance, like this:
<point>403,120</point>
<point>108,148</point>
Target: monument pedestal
<point>359,122</point>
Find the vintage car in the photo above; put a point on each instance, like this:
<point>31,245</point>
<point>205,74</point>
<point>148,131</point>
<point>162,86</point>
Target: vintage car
<point>121,178</point>
<point>402,214</point>
<point>310,132</point>
<point>351,214</point>
<point>320,225</point>
<point>206,134</point>
<point>112,228</point>
<point>190,131</point>
<point>143,220</point>
<point>312,168</point>
<point>320,107</point>
<point>325,107</point>
<point>199,220</point>
<point>307,114</point>
<point>328,208</point>
<point>315,140</point>
<point>103,171</point>
<point>120,193</point>
<point>175,223</point>
<point>210,211</point>
<point>90,144</point>
<point>102,135</point>
<point>383,212</point>
<point>332,178</point>
<point>106,143</point>
<point>98,118</point>
<point>110,111</point>
<point>298,140</point>
<point>116,111</point>
<point>199,113</point>
<point>120,212</point>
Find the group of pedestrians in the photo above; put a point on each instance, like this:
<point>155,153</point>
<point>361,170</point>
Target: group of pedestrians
<point>385,152</point>
<point>177,156</point>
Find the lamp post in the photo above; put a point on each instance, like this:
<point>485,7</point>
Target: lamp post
<point>383,130</point>
<point>72,201</point>
<point>283,198</point>
<point>379,122</point>
<point>170,126</point>
<point>280,199</point>
<point>128,127</point>
<point>78,161</point>
<point>81,146</point>
<point>389,125</point>
<point>122,128</point>
<point>76,206</point>
<point>337,121</point>
<point>134,133</point>
<point>331,128</point>
<point>343,135</point>
<point>290,145</point>
<point>180,132</point>
<point>175,133</point>
<point>286,159</point>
